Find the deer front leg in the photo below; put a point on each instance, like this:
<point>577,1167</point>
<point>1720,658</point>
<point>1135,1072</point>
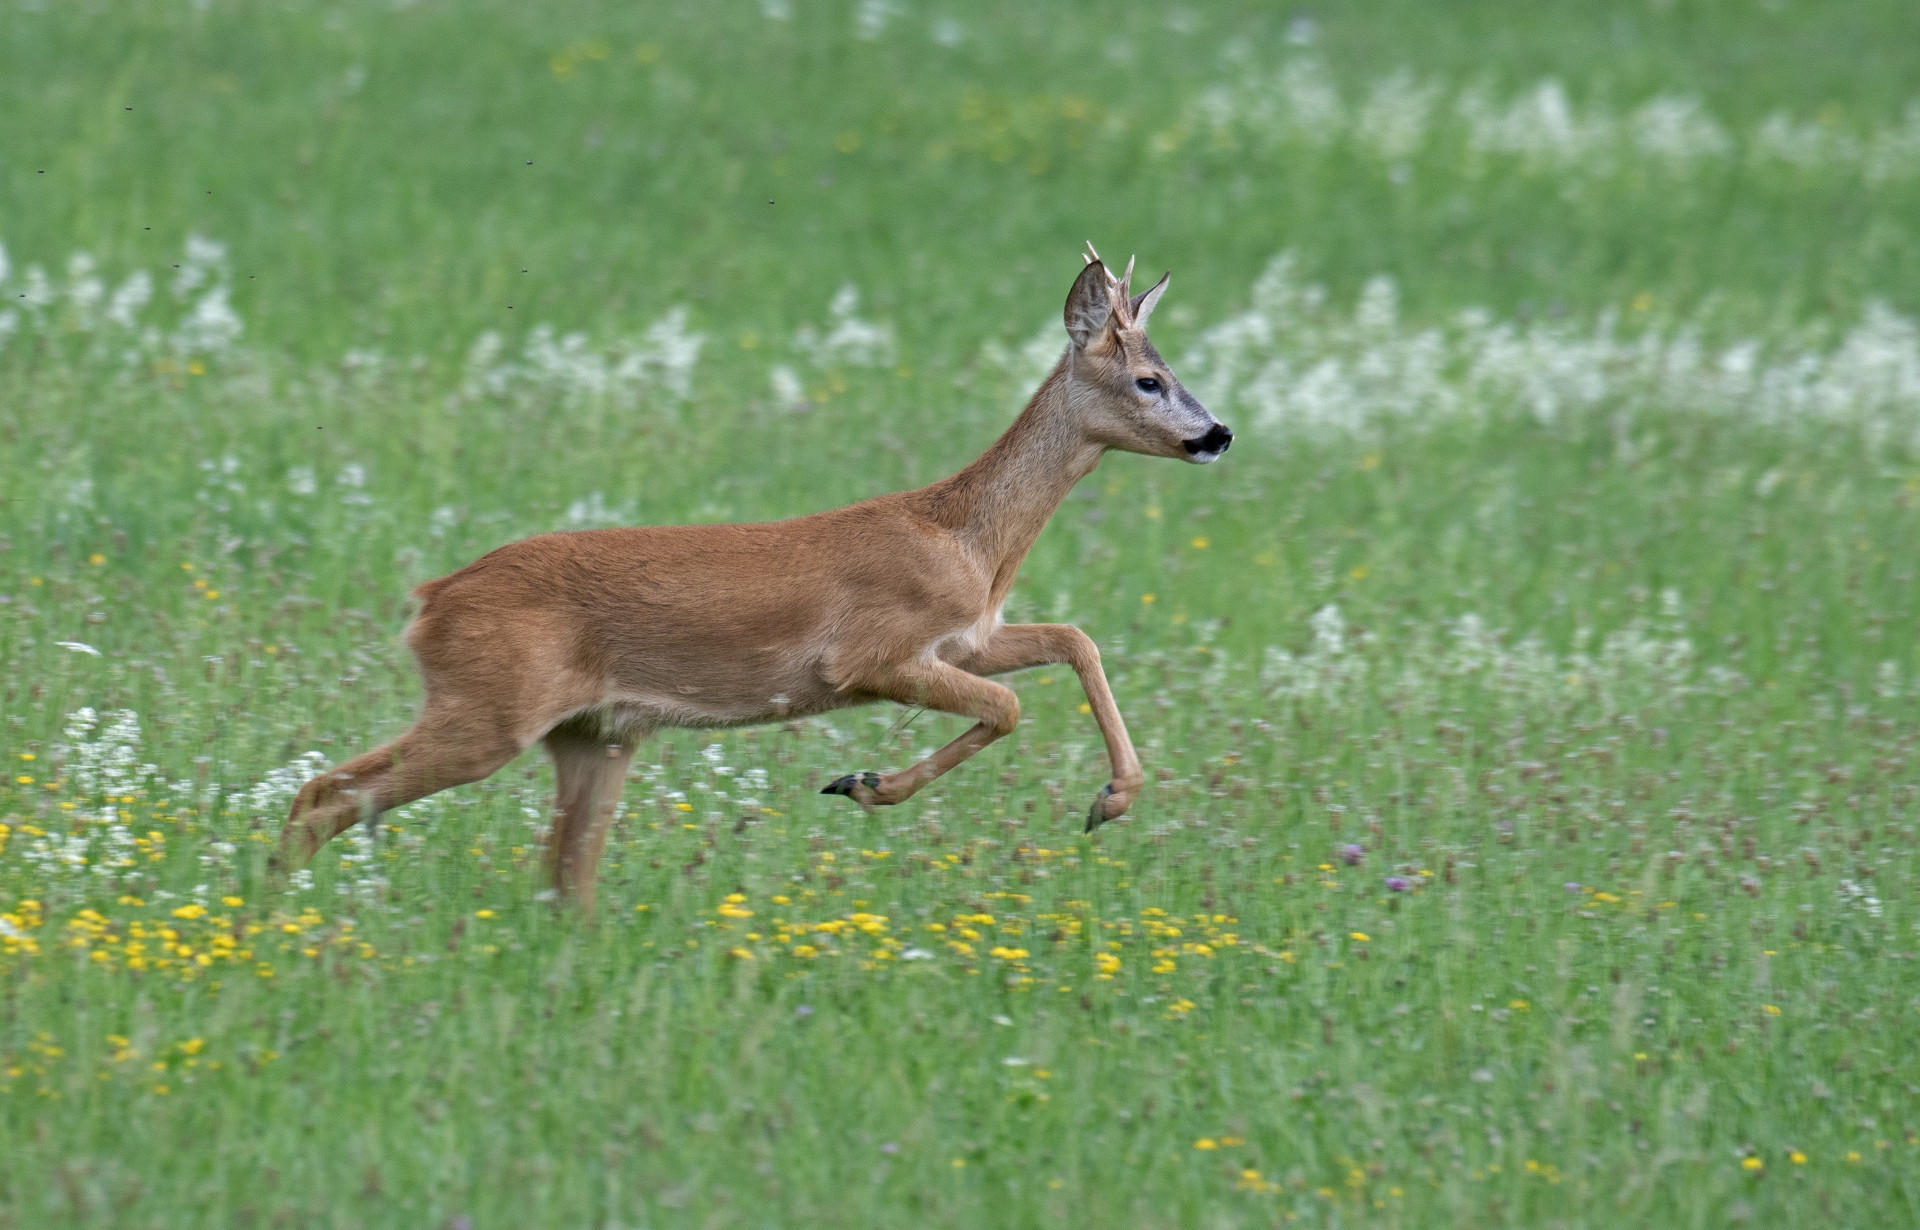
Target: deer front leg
<point>950,690</point>
<point>1020,646</point>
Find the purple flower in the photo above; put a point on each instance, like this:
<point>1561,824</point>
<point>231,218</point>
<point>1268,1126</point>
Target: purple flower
<point>804,1010</point>
<point>1351,854</point>
<point>1398,884</point>
<point>889,1147</point>
<point>1573,886</point>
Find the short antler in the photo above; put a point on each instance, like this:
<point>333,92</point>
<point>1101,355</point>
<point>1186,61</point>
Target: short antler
<point>1117,288</point>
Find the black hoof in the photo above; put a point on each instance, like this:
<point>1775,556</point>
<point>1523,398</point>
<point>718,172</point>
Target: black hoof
<point>845,785</point>
<point>1097,814</point>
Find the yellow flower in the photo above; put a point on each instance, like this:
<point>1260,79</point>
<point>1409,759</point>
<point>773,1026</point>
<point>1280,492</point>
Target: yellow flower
<point>1771,1010</point>
<point>1797,1158</point>
<point>1519,1005</point>
<point>1146,599</point>
<point>1751,1163</point>
<point>1206,1142</point>
<point>190,911</point>
<point>805,950</point>
<point>483,913</point>
<point>1201,544</point>
<point>1362,936</point>
<point>232,903</point>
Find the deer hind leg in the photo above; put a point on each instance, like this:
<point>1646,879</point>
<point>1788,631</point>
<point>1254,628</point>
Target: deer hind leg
<point>446,747</point>
<point>1019,646</point>
<point>950,690</point>
<point>591,767</point>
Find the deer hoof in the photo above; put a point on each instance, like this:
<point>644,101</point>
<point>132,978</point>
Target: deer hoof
<point>1097,814</point>
<point>845,785</point>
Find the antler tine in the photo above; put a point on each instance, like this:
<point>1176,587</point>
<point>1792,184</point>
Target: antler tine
<point>1089,256</point>
<point>1126,279</point>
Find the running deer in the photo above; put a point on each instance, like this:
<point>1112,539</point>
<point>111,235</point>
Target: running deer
<point>588,641</point>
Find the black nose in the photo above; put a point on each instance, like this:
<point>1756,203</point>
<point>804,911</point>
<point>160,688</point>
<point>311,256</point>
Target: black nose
<point>1219,439</point>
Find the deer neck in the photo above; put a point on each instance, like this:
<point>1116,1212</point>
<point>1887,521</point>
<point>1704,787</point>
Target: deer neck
<point>1004,499</point>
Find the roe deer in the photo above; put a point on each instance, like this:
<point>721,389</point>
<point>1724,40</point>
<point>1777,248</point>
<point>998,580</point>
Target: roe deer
<point>590,640</point>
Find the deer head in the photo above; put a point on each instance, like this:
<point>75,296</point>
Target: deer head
<point>1123,392</point>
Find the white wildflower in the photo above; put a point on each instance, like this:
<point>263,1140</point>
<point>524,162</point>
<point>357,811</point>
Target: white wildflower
<point>786,385</point>
<point>134,294</point>
<point>870,18</point>
<point>851,342</point>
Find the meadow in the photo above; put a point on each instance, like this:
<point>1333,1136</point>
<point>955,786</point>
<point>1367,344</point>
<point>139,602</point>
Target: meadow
<point>1529,701</point>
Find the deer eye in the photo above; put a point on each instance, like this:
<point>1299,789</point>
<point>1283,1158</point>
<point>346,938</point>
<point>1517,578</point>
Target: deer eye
<point>1147,384</point>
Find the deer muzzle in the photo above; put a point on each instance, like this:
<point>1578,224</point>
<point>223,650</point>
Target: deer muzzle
<point>1218,439</point>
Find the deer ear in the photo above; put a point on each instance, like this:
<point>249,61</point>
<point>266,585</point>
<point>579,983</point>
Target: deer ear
<point>1089,305</point>
<point>1144,301</point>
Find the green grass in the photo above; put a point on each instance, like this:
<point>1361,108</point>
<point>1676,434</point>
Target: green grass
<point>1570,581</point>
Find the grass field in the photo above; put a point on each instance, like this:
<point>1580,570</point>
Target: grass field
<point>1530,700</point>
